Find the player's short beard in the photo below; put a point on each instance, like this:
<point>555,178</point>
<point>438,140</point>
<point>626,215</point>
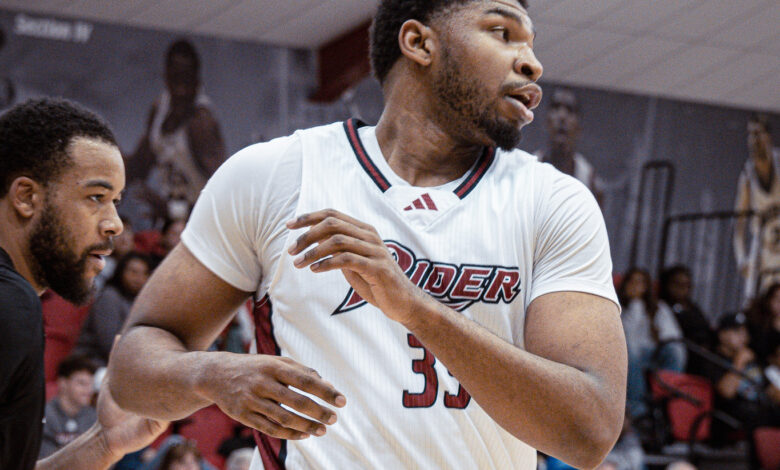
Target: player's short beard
<point>462,98</point>
<point>54,263</point>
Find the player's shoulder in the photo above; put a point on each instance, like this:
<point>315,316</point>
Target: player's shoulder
<point>19,303</point>
<point>543,176</point>
<point>14,287</point>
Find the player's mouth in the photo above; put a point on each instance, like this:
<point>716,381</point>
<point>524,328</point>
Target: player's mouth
<point>523,100</point>
<point>98,257</point>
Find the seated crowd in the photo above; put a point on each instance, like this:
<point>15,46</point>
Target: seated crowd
<point>736,356</point>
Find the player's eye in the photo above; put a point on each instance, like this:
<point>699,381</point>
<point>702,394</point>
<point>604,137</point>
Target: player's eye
<point>96,197</point>
<point>502,32</point>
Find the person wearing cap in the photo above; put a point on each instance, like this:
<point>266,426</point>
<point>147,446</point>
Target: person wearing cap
<point>738,387</point>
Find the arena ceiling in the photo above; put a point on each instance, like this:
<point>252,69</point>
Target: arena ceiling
<point>724,52</point>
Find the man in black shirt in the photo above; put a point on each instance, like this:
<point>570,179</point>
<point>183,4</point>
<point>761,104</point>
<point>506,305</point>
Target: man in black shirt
<point>61,175</point>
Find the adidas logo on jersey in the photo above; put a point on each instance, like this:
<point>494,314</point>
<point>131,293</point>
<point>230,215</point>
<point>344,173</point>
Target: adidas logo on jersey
<point>454,286</point>
<point>423,202</point>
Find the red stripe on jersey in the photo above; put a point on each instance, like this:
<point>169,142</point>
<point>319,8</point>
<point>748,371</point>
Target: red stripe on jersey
<point>476,175</point>
<point>362,156</point>
<point>272,450</point>
<point>429,202</point>
<point>418,204</point>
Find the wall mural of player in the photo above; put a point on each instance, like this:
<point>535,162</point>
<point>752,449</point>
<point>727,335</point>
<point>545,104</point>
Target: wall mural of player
<point>758,190</point>
<point>183,144</point>
<point>563,128</point>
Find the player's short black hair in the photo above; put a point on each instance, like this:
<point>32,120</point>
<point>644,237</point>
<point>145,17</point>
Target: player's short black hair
<point>183,48</point>
<point>762,120</point>
<point>389,18</point>
<point>75,363</point>
<point>35,135</point>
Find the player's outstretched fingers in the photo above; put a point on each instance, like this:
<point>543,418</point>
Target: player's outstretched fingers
<point>292,421</point>
<point>309,381</point>
<point>331,221</point>
<point>270,428</point>
<point>339,244</point>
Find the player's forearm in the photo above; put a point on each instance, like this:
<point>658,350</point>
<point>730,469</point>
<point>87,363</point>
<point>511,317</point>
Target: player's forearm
<point>154,375</point>
<point>87,452</point>
<point>562,411</point>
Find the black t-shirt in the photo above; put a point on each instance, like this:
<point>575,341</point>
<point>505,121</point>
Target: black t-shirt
<point>22,382</point>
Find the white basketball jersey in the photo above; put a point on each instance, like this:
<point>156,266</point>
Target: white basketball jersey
<point>485,245</point>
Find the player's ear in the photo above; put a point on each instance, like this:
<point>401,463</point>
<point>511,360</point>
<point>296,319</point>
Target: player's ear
<point>26,196</point>
<point>417,42</point>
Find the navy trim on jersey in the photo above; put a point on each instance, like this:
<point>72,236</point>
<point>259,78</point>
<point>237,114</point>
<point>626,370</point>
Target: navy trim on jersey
<point>352,125</point>
<point>485,160</point>
<point>273,451</point>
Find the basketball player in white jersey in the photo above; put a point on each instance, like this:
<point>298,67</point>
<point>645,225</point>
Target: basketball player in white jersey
<point>453,294</point>
<point>758,190</point>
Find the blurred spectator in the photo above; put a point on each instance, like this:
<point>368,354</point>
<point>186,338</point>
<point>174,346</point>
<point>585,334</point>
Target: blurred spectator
<point>648,326</point>
<point>240,459</point>
<point>177,453</point>
<point>184,456</point>
<point>737,388</point>
<point>772,374</point>
<point>680,466</point>
<point>123,244</point>
<point>758,190</point>
<point>563,127</point>
<point>171,235</point>
<point>764,322</point>
<point>69,414</point>
<point>183,144</point>
<point>675,292</point>
<point>112,306</point>
<point>237,337</point>
<point>242,438</point>
<point>158,244</point>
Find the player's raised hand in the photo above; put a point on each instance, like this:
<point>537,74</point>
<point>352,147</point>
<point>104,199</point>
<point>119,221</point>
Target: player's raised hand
<point>358,251</point>
<point>252,389</point>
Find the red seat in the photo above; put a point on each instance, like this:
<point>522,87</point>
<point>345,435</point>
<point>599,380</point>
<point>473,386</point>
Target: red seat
<point>61,323</point>
<point>689,402</point>
<point>767,442</point>
<point>209,427</point>
<point>148,242</point>
<point>51,389</point>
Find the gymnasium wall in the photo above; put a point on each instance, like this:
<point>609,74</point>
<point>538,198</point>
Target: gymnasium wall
<point>260,92</point>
